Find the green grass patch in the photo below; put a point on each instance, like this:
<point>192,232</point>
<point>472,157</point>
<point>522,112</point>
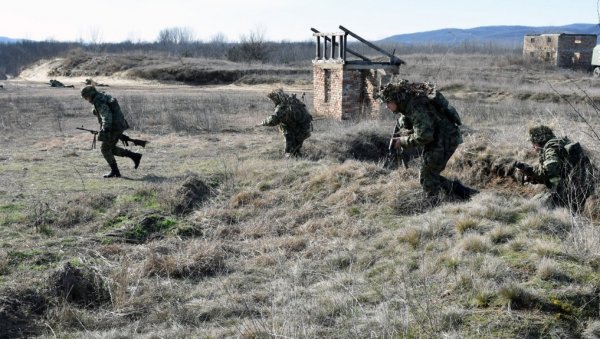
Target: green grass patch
<point>32,259</point>
<point>11,214</point>
<point>150,226</point>
<point>146,198</point>
<point>115,222</point>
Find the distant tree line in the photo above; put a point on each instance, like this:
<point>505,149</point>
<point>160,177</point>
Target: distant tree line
<point>252,47</point>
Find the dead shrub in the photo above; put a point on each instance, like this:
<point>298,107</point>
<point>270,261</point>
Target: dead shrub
<point>198,261</point>
<point>247,198</point>
<point>293,244</point>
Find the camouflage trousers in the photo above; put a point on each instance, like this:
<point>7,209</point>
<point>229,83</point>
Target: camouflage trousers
<point>572,197</point>
<point>435,157</point>
<point>109,147</point>
<point>294,141</point>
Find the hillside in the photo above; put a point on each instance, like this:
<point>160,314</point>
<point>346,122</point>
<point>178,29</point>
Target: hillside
<point>4,39</point>
<point>78,66</point>
<point>508,35</point>
<point>216,235</point>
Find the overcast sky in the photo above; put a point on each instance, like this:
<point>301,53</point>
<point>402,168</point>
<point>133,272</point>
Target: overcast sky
<point>142,20</point>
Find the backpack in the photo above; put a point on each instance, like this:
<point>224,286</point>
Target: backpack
<point>575,154</point>
<point>442,106</point>
<point>298,112</point>
<point>580,173</point>
<point>113,104</point>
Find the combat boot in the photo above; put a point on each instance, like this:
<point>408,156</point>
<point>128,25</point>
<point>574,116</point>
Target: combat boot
<point>114,171</point>
<point>462,191</point>
<point>136,157</point>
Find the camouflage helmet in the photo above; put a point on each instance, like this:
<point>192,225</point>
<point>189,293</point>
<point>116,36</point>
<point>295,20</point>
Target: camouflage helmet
<point>402,89</point>
<point>88,91</point>
<point>540,134</point>
<point>277,96</point>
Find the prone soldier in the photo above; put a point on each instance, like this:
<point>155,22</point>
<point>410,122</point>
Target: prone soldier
<point>563,168</point>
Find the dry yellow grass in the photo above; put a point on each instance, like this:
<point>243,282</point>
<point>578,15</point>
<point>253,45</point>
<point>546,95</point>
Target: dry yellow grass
<point>325,246</point>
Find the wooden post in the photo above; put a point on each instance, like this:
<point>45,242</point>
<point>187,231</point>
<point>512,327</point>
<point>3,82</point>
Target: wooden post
<point>346,49</point>
<point>393,59</point>
<point>318,51</point>
<point>332,47</point>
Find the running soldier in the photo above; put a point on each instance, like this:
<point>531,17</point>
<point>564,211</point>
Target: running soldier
<point>112,125</point>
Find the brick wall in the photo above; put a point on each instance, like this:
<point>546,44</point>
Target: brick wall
<point>327,97</point>
<point>344,93</point>
<point>576,51</point>
<point>563,50</point>
<point>541,48</point>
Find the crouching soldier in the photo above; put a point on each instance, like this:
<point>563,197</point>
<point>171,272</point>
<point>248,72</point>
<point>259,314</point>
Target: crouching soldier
<point>293,119</point>
<point>112,125</point>
<point>427,120</point>
<point>563,168</point>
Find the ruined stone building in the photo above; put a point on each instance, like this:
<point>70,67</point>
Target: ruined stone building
<point>343,88</point>
<point>562,50</point>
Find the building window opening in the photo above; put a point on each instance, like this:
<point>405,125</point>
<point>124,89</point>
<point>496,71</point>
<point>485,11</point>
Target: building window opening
<point>327,85</point>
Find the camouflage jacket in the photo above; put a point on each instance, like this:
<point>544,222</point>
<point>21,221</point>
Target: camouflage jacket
<point>552,164</point>
<point>425,123</point>
<point>108,112</point>
<point>291,118</point>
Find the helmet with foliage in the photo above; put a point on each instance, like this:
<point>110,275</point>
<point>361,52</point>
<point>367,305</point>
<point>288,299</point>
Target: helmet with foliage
<point>400,90</point>
<point>540,134</point>
<point>277,96</point>
<point>88,91</point>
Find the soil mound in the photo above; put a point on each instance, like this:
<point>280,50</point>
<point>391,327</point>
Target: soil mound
<point>192,192</point>
<point>18,312</point>
<point>82,286</point>
<point>364,145</point>
<point>484,166</point>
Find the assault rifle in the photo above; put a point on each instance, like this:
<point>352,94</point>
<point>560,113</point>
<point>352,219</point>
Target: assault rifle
<point>124,138</point>
<point>525,169</point>
<point>394,153</point>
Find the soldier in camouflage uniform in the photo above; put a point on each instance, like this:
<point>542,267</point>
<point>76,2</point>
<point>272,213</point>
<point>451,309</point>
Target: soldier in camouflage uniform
<point>427,120</point>
<point>293,119</point>
<point>567,175</point>
<point>112,125</point>
<point>56,83</point>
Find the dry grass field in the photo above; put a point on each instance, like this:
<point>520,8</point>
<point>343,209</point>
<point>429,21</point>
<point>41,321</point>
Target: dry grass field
<point>216,235</point>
